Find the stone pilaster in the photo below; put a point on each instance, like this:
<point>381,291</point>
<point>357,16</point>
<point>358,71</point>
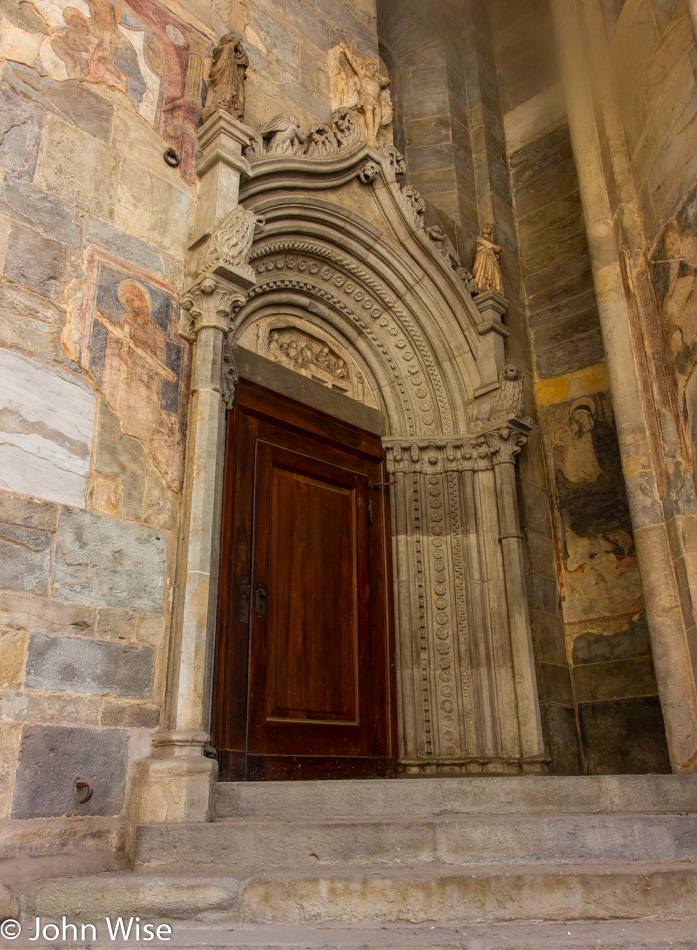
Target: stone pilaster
<point>492,307</point>
<point>465,665</point>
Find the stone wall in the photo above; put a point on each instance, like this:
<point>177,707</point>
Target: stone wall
<point>596,672</point>
<point>94,228</point>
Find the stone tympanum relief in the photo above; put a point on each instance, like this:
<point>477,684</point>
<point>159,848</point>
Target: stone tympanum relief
<point>226,77</point>
<point>675,277</point>
<point>125,336</point>
<point>487,261</point>
<point>138,48</point>
<point>599,572</point>
<point>300,346</point>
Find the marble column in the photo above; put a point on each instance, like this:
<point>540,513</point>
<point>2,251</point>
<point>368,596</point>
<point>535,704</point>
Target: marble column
<point>664,548</point>
<point>176,783</point>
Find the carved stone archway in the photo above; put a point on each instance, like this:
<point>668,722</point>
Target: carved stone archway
<point>339,244</point>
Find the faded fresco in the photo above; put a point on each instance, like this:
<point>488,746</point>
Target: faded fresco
<point>595,547</point>
<point>675,278</point>
<point>139,48</point>
<point>127,340</point>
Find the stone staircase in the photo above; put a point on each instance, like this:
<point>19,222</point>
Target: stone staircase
<point>606,862</point>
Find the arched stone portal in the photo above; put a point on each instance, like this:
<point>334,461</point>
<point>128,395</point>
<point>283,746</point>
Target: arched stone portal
<point>338,245</point>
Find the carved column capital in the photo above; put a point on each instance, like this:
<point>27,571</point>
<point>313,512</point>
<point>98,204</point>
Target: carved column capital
<point>473,452</point>
<point>209,302</point>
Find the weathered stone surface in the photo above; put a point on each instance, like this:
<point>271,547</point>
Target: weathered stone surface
<point>46,420</point>
<point>29,323</point>
<point>73,101</point>
<point>129,715</point>
<point>115,623</point>
<point>9,744</point>
<point>24,560</point>
<point>123,244</point>
<point>109,563</point>
<point>150,629</point>
<point>28,512</point>
<point>34,208</point>
<point>58,664</point>
<point>35,261</point>
<point>623,736</point>
<point>153,209</point>
<point>12,645</point>
<point>24,706</point>
<point>122,456</point>
<point>51,758</point>
<point>67,163</point>
<point>597,647</point>
<point>24,611</point>
<point>21,124</point>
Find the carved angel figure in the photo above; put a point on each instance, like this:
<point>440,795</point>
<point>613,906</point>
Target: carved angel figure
<point>226,79</point>
<point>509,399</point>
<point>487,261</point>
<point>231,243</point>
<point>283,135</point>
<point>366,91</point>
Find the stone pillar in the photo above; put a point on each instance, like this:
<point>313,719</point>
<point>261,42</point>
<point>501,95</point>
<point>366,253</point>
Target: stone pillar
<point>465,665</point>
<point>663,550</point>
<point>492,355</point>
<point>176,783</point>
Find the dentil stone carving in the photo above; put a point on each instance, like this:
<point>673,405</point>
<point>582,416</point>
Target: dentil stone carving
<point>361,88</point>
<point>283,135</point>
<point>487,261</point>
<point>230,245</point>
<point>226,78</point>
<point>307,351</point>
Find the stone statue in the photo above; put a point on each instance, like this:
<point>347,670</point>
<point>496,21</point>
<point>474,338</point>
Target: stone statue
<point>283,135</point>
<point>487,261</point>
<point>509,399</point>
<point>366,91</point>
<point>226,78</point>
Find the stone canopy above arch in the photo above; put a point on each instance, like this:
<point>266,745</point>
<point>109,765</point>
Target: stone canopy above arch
<point>344,245</point>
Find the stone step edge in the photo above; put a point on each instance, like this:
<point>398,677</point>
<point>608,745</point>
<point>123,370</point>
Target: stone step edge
<point>677,934</point>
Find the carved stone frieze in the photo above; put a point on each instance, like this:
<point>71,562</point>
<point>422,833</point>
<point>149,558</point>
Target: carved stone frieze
<point>305,349</point>
<point>444,246</point>
<point>396,160</point>
<point>436,456</point>
<point>414,205</point>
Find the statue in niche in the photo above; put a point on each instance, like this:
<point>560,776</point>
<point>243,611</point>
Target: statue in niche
<point>366,91</point>
<point>487,261</point>
<point>283,135</point>
<point>227,76</point>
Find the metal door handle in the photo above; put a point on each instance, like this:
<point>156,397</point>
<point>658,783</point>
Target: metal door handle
<point>260,601</point>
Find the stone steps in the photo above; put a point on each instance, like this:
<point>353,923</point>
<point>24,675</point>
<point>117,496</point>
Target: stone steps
<point>526,795</point>
<point>450,840</point>
<point>576,935</point>
<point>438,895</point>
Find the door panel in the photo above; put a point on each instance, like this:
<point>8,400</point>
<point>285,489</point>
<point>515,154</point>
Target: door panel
<point>304,610</point>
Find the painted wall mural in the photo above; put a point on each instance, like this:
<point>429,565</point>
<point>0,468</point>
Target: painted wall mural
<point>675,278</point>
<point>126,337</point>
<point>138,48</point>
<point>595,547</point>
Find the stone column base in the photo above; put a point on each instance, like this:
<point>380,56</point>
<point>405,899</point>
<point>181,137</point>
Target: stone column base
<point>175,785</point>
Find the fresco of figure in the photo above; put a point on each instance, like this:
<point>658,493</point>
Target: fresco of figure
<point>226,78</point>
<point>487,261</point>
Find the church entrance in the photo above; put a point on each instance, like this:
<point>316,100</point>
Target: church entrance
<point>304,684</point>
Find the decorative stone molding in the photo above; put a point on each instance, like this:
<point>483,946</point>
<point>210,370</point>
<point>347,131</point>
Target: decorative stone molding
<point>229,376</point>
<point>466,453</point>
<point>208,303</point>
<point>369,172</point>
<point>444,246</point>
<point>413,204</point>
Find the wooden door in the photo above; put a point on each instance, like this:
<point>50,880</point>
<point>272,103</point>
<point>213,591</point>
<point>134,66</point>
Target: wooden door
<point>304,675</point>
